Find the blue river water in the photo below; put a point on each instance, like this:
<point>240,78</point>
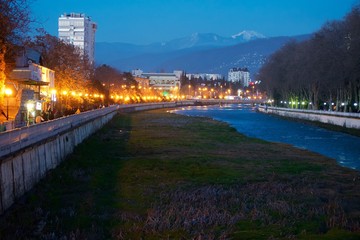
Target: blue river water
<point>343,147</point>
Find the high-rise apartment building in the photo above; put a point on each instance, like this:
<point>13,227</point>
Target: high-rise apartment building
<point>79,30</point>
<point>241,75</point>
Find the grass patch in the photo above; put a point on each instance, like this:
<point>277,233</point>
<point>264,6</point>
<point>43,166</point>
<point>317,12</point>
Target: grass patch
<point>156,175</point>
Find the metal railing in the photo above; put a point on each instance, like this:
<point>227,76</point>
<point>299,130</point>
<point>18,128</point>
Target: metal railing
<point>20,138</point>
<point>16,139</point>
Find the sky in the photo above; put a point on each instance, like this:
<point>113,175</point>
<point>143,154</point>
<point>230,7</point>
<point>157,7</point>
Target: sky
<point>149,21</point>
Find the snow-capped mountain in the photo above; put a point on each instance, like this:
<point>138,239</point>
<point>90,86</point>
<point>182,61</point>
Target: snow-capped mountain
<point>199,52</point>
<point>108,52</point>
<point>247,36</point>
<point>211,40</point>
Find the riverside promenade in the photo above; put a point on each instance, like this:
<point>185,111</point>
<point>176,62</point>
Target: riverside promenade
<point>156,175</point>
<point>346,120</point>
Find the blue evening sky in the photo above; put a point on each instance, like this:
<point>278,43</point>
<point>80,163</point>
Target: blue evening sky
<point>148,21</point>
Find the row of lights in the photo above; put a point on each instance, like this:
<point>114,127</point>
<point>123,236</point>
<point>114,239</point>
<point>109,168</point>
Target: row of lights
<point>310,103</point>
<point>65,93</point>
<point>342,104</point>
<point>293,103</point>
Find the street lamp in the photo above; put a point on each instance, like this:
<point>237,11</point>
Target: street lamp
<point>8,93</point>
<point>30,108</point>
<point>53,98</point>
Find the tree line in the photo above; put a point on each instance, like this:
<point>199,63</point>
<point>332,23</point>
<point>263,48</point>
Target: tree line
<point>322,72</point>
<point>73,71</point>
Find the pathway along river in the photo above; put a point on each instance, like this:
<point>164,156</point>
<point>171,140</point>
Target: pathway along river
<point>340,146</point>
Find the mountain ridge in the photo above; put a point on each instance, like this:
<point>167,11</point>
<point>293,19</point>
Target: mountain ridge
<point>198,53</point>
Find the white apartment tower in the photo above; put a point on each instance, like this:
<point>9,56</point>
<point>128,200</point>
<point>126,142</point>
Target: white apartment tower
<point>79,30</point>
<point>241,75</point>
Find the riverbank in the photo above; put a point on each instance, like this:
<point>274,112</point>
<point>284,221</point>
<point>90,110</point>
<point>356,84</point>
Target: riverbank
<point>336,121</point>
<point>158,175</point>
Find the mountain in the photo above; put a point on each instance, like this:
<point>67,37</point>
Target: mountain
<point>110,52</point>
<point>205,40</point>
<point>198,53</point>
<point>252,55</point>
<point>198,40</point>
<point>246,36</point>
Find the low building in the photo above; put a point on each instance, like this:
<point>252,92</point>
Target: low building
<point>137,72</point>
<point>33,89</point>
<point>239,75</point>
<point>163,81</point>
<point>205,76</point>
<point>142,82</point>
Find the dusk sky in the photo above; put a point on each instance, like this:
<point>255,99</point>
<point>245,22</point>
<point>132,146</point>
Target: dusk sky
<point>148,21</point>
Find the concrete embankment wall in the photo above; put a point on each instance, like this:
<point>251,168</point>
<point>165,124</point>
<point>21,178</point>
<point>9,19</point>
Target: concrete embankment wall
<point>348,120</point>
<point>28,153</point>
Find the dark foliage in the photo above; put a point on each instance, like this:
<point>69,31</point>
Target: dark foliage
<point>322,72</point>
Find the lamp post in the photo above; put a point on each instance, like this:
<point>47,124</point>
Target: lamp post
<point>30,108</point>
<point>8,93</point>
<point>53,98</point>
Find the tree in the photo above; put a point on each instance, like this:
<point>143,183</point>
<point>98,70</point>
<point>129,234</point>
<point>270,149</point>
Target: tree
<point>72,70</point>
<point>323,69</point>
<point>352,51</point>
<point>14,23</point>
<point>110,81</point>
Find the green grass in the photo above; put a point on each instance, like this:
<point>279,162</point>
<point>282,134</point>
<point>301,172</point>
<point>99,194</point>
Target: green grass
<point>156,175</point>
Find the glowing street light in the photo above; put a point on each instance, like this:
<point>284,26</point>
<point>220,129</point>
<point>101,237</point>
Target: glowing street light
<point>53,98</point>
<point>30,108</point>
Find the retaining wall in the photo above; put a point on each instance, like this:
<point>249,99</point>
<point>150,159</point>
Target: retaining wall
<point>28,153</point>
<point>348,120</point>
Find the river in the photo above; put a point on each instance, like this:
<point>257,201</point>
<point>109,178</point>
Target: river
<point>343,147</point>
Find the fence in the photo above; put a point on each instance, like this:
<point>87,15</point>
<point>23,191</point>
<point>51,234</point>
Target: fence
<point>20,138</point>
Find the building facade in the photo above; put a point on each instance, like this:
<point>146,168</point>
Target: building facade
<point>205,76</point>
<point>241,75</point>
<point>33,89</point>
<point>164,81</point>
<point>144,83</point>
<point>78,30</point>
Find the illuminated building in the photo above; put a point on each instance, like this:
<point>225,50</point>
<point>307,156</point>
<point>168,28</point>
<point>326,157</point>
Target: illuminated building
<point>165,81</point>
<point>78,30</point>
<point>241,75</point>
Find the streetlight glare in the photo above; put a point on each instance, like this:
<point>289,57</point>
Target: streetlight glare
<point>8,92</point>
<point>30,106</point>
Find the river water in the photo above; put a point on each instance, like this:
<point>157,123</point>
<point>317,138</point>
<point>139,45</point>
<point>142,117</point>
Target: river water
<point>343,147</point>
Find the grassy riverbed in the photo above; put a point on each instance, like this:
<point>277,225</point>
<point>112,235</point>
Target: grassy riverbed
<point>157,175</point>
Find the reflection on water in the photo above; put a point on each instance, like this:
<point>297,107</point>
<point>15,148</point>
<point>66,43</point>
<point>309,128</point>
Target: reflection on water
<point>342,147</point>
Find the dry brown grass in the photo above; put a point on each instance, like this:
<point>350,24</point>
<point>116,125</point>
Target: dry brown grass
<point>155,175</point>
